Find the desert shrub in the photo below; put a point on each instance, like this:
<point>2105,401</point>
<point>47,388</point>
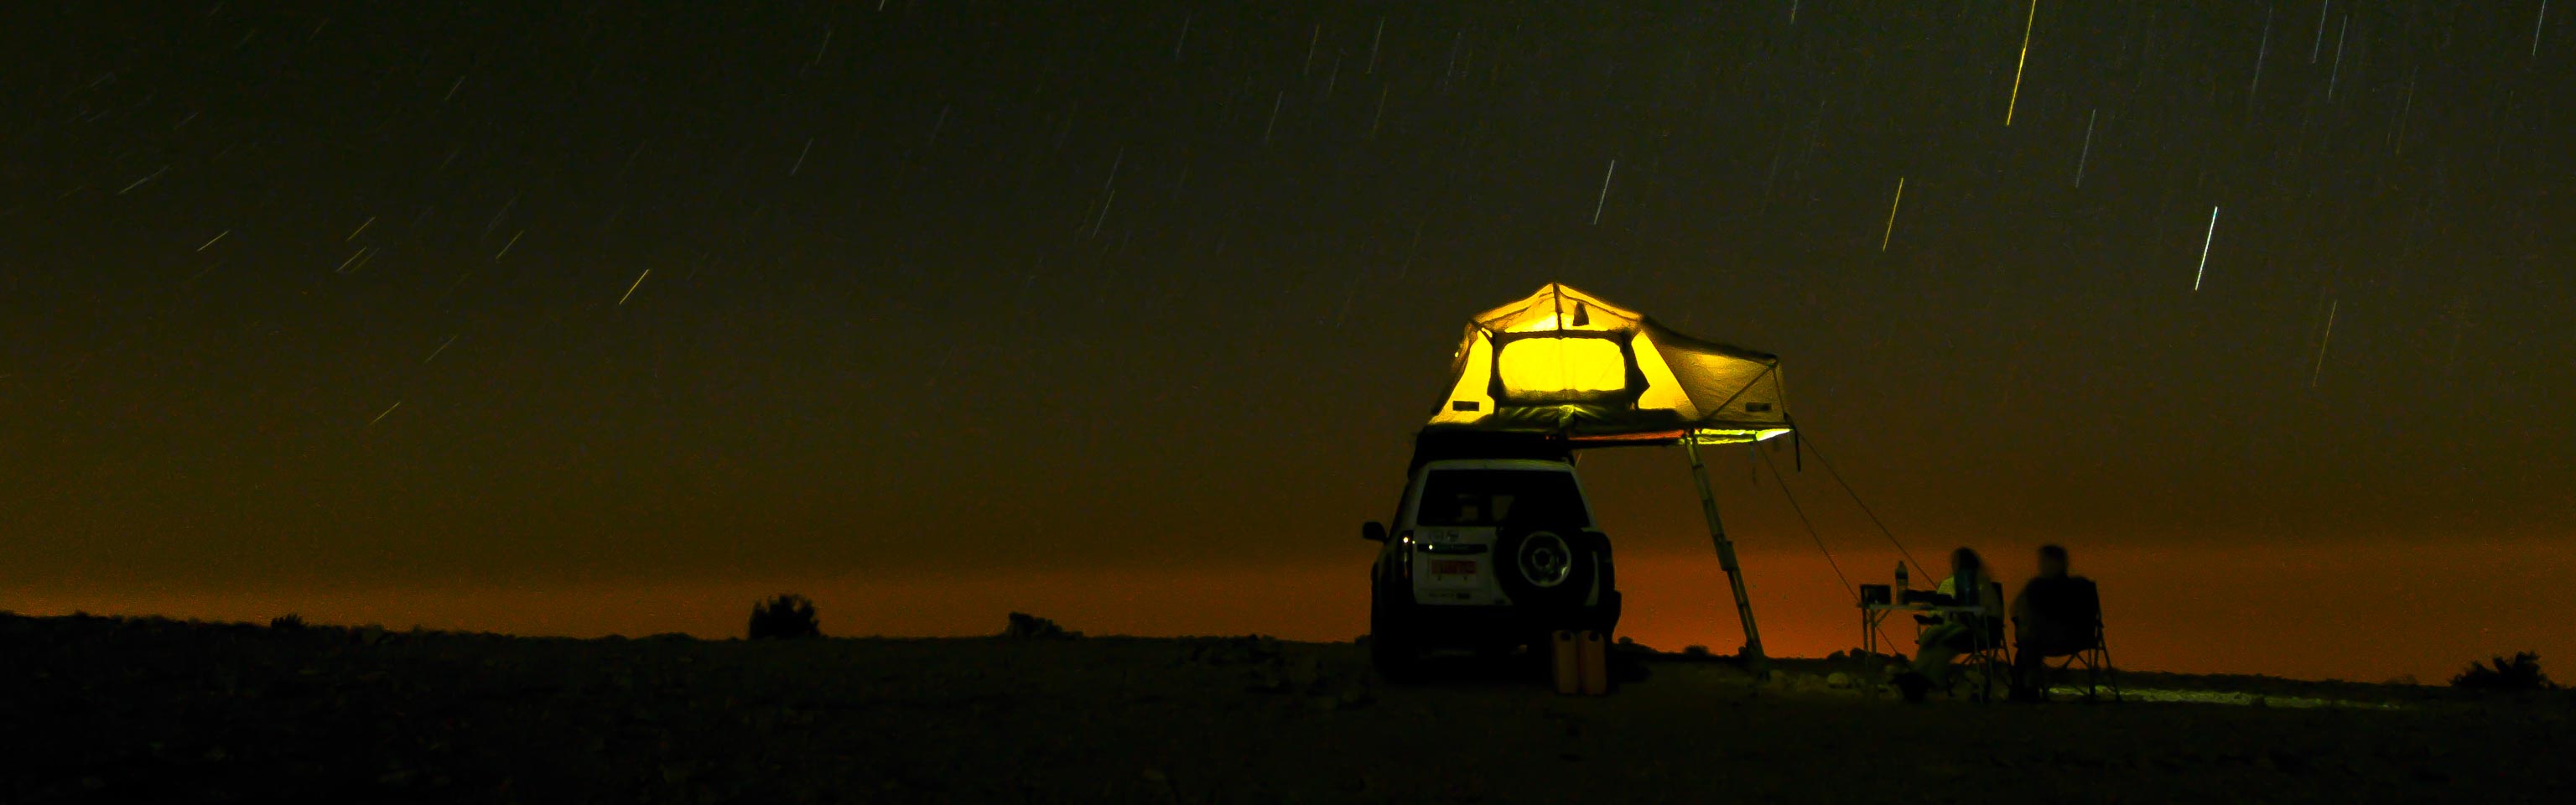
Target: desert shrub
<point>787,616</point>
<point>2522,672</point>
<point>1023,624</point>
<point>286,623</point>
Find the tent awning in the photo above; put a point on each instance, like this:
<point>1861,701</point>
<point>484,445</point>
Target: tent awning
<point>1565,362</point>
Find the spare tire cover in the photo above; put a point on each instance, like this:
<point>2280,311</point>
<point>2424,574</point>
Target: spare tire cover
<point>1543,566</point>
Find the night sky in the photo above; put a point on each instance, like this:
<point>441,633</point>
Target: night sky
<point>590,318</point>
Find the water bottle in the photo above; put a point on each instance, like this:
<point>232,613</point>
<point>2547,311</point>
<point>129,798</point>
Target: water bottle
<point>1902,586</point>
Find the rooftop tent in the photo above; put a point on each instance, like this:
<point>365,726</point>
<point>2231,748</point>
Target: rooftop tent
<point>1564,362</point>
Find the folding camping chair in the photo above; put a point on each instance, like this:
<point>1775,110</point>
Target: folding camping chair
<point>2087,649</point>
<point>1988,652</point>
<point>1992,655</point>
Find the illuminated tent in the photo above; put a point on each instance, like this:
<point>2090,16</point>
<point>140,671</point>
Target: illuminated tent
<point>1566,363</point>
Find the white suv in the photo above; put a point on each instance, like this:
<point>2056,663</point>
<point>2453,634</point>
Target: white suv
<point>1493,547</point>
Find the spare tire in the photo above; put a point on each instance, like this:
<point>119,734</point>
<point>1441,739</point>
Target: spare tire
<point>1549,568</point>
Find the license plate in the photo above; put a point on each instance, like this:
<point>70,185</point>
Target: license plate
<point>1445,567</point>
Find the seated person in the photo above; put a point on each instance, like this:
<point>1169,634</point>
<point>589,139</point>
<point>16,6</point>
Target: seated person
<point>1955,634</point>
<point>2055,615</point>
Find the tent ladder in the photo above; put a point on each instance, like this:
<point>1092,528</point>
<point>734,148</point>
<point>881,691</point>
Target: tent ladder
<point>1756,662</point>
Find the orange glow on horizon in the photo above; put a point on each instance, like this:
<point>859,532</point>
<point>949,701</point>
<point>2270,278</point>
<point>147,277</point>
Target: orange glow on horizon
<point>2366,613</point>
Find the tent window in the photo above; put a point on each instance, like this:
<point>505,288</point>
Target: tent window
<point>1462,405</point>
<point>1563,364</point>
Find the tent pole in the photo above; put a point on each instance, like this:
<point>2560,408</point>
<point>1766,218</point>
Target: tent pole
<point>1760,665</point>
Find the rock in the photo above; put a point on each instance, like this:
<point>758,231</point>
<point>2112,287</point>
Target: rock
<point>1797,683</point>
<point>1306,672</point>
<point>1267,680</point>
<point>2287,761</point>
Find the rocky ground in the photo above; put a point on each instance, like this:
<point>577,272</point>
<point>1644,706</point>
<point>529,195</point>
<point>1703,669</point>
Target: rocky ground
<point>146,710</point>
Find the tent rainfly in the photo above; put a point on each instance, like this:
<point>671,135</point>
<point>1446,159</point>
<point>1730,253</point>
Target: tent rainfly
<point>1564,362</point>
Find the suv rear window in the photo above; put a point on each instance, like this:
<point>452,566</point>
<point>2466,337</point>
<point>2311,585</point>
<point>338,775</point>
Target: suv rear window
<point>1495,497</point>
